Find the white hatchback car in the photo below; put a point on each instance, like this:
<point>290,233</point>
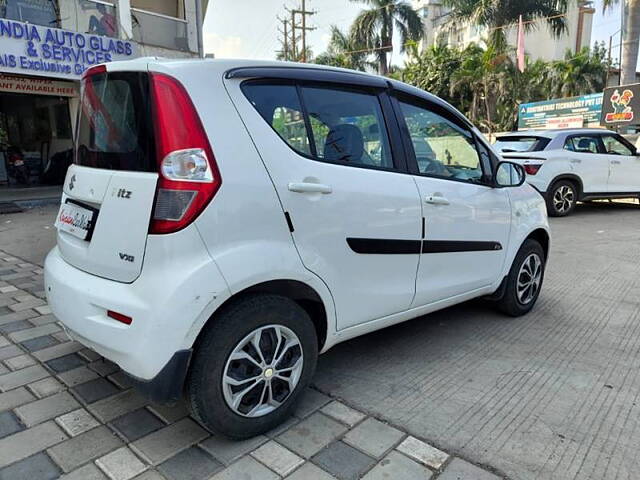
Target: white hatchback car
<point>226,221</point>
<point>567,166</point>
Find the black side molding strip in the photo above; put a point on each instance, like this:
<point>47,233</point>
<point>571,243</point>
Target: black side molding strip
<point>447,246</point>
<point>383,246</point>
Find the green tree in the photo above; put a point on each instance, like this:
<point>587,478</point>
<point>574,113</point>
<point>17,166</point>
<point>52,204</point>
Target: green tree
<point>344,51</point>
<point>496,14</point>
<point>630,42</point>
<point>578,74</point>
<point>374,28</point>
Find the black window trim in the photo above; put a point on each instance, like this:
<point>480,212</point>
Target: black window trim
<point>397,154</point>
<point>441,110</point>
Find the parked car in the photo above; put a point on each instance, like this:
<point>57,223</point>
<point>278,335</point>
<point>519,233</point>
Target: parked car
<point>567,166</point>
<point>223,223</point>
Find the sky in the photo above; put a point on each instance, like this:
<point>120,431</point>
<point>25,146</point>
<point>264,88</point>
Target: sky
<point>248,28</point>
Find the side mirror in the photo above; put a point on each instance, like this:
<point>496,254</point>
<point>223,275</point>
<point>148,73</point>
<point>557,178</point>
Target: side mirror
<point>509,174</point>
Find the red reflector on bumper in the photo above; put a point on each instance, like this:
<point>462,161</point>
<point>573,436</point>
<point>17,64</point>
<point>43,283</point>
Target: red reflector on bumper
<point>119,317</point>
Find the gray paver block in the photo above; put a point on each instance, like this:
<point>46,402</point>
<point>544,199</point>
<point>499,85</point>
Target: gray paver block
<point>343,461</point>
<point>19,362</point>
<point>15,398</point>
<point>311,435</point>
<point>39,343</point>
<point>423,452</point>
<point>43,309</point>
<point>112,407</point>
<point>13,327</point>
<point>43,320</point>
<point>95,389</point>
<point>190,464</point>
<point>246,469</point>
<point>19,378</point>
<point>163,444</point>
<point>339,411</point>
<point>84,448</point>
<point>37,467</point>
<point>150,475</point>
<point>137,424</point>
<point>398,467</point>
<point>88,472</point>
<point>277,458</point>
<point>28,442</point>
<point>30,303</point>
<point>77,376</point>
<point>35,332</point>
<point>227,451</point>
<point>46,408</point>
<point>4,342</point>
<point>17,316</point>
<point>121,464</point>
<point>45,387</point>
<point>121,379</point>
<point>170,413</point>
<point>373,437</point>
<point>66,363</point>
<point>9,424</point>
<point>458,469</point>
<point>9,351</point>
<point>77,422</point>
<point>104,367</point>
<point>311,401</point>
<point>56,351</point>
<point>89,355</point>
<point>309,471</point>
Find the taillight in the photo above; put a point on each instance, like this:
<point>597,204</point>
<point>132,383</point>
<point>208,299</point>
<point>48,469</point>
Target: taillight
<point>531,169</point>
<point>189,176</point>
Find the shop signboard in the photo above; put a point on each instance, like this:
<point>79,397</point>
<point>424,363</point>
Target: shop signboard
<point>51,52</point>
<point>37,86</point>
<point>581,111</point>
<point>621,106</point>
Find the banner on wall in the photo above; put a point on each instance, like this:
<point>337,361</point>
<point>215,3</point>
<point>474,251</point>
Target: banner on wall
<point>583,110</point>
<point>37,86</point>
<point>52,52</point>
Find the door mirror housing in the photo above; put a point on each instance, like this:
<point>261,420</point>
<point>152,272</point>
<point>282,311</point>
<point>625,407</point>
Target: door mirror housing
<point>509,174</point>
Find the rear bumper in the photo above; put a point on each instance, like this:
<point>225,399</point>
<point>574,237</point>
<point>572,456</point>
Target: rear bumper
<point>180,286</point>
<point>166,386</point>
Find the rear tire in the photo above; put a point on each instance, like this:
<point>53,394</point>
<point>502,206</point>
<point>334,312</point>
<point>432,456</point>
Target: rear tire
<point>524,281</point>
<point>275,349</point>
<point>562,198</point>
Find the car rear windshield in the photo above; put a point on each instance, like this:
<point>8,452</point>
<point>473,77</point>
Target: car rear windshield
<point>521,144</point>
<point>114,126</point>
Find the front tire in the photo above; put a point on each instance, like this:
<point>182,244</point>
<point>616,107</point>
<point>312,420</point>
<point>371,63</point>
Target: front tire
<point>524,281</point>
<point>562,198</point>
<point>251,365</point>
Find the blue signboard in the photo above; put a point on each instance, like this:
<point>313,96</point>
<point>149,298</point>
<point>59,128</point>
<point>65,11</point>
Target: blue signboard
<point>544,114</point>
<point>52,52</point>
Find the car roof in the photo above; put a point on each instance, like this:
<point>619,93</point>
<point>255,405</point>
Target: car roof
<point>552,133</point>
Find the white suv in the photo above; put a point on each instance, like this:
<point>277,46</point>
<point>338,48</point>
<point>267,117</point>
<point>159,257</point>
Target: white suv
<point>226,221</point>
<point>567,166</point>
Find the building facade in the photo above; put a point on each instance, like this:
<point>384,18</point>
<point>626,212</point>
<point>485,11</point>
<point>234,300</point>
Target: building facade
<point>539,43</point>
<point>45,46</point>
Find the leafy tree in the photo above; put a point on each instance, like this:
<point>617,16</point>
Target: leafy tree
<point>495,14</point>
<point>344,51</point>
<point>374,28</point>
<point>578,74</point>
<point>630,43</point>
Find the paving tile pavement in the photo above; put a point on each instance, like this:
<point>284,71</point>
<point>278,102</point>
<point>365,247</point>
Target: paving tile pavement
<point>66,413</point>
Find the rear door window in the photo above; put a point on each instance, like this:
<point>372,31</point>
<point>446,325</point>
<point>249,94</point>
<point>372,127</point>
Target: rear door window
<point>582,144</point>
<point>326,123</point>
<point>114,126</point>
<point>513,144</point>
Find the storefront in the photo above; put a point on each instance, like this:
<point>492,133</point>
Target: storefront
<point>40,69</point>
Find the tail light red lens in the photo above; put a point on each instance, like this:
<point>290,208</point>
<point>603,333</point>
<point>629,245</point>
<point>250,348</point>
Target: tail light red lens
<point>531,169</point>
<point>189,176</point>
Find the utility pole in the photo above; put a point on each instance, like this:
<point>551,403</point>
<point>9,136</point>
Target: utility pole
<point>285,38</point>
<point>298,23</point>
<point>294,40</point>
<point>303,12</point>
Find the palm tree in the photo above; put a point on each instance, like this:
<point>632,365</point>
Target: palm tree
<point>630,42</point>
<point>578,74</point>
<point>343,51</point>
<point>374,28</point>
<point>496,14</point>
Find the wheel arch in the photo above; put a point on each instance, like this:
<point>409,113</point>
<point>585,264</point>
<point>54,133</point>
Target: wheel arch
<point>572,177</point>
<point>541,236</point>
<point>301,293</point>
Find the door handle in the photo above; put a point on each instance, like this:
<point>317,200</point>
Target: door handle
<point>307,187</point>
<point>616,162</point>
<point>436,200</point>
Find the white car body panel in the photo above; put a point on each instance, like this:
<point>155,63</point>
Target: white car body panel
<point>179,280</point>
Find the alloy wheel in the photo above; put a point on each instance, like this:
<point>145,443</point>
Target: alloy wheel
<point>563,198</point>
<point>529,278</point>
<point>262,371</point>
